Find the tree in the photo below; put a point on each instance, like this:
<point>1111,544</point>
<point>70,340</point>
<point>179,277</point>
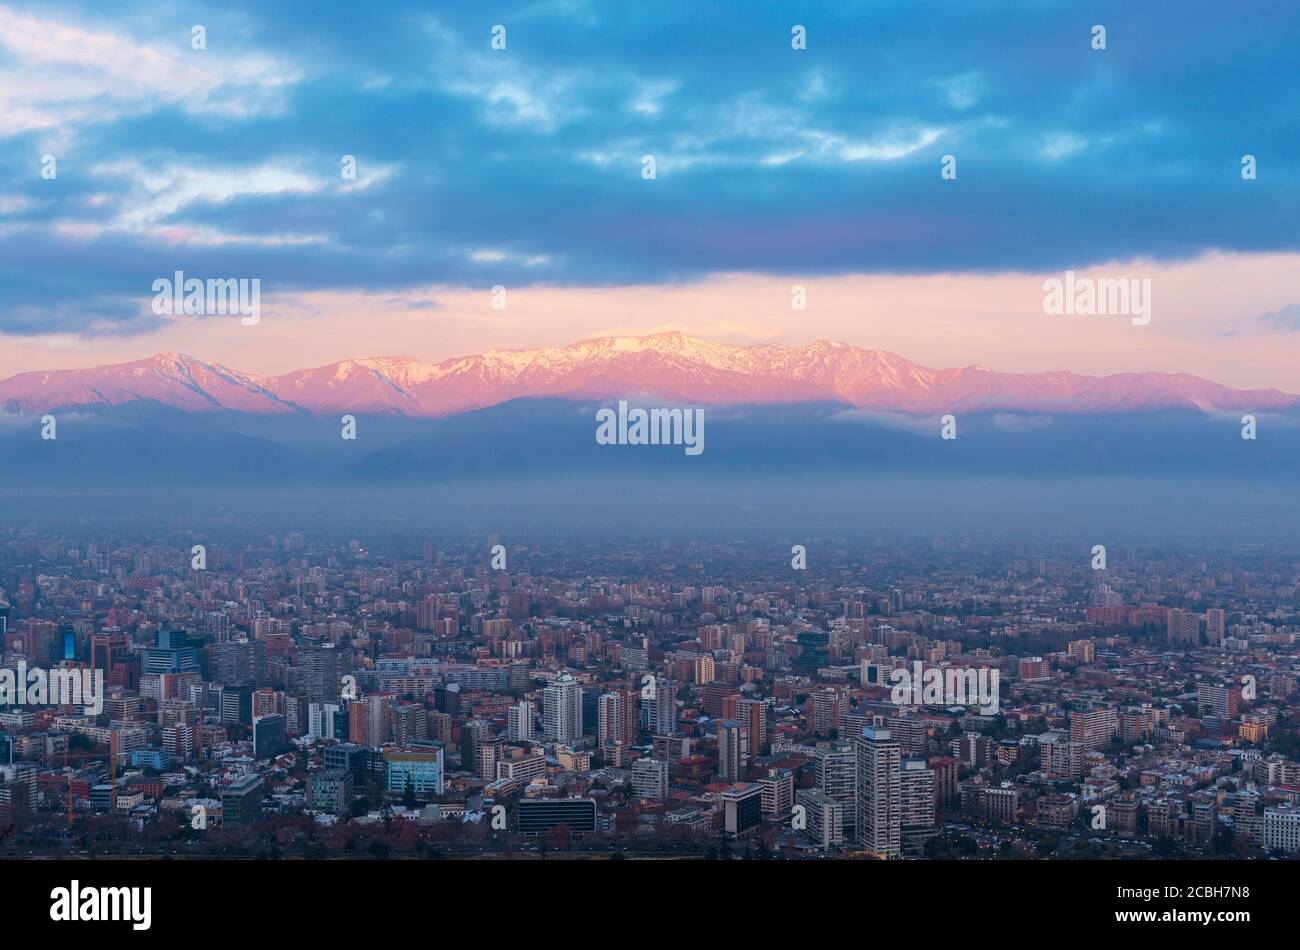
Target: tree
<point>408,796</point>
<point>724,847</point>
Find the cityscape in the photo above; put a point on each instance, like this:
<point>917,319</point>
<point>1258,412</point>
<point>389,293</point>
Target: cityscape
<point>282,696</point>
<point>850,440</point>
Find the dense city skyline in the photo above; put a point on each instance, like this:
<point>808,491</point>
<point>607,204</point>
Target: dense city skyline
<point>794,436</point>
<point>331,689</point>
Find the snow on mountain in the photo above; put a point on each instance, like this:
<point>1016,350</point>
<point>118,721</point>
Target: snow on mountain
<point>171,378</point>
<point>670,366</point>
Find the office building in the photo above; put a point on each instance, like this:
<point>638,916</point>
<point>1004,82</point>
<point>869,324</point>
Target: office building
<point>730,762</point>
<point>742,808</point>
<point>537,816</point>
<point>650,779</point>
<point>562,710</point>
<point>879,820</point>
<point>420,769</point>
<point>241,801</point>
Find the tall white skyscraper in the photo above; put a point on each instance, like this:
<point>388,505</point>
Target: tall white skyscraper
<point>521,721</point>
<point>837,778</point>
<point>879,824</point>
<point>662,707</point>
<point>562,709</point>
<point>916,803</point>
<point>321,721</point>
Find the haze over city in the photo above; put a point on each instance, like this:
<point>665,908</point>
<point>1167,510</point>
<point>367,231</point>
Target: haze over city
<point>587,432</point>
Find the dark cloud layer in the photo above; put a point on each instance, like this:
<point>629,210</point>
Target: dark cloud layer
<point>523,166</point>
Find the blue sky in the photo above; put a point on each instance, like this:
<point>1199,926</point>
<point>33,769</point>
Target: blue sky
<point>522,167</point>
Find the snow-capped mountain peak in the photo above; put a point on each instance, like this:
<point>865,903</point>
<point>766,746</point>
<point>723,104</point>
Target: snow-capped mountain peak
<point>670,365</point>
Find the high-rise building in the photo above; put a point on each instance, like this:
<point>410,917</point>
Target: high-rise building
<point>322,679</point>
<point>1082,650</point>
<point>238,663</point>
<point>879,817</point>
<point>778,793</point>
<point>266,702</point>
<point>368,721</point>
<point>241,801</point>
<point>326,721</point>
<point>1215,625</point>
<point>837,777</point>
<point>218,624</point>
<point>1094,727</point>
<point>521,766</point>
<point>176,652</point>
<point>713,697</point>
<point>742,808</point>
<point>1183,627</point>
<point>269,736</point>
<point>1035,668</point>
<point>910,731</point>
<point>1282,828</point>
<point>916,803</point>
<point>330,792</point>
<point>108,647</point>
<point>973,749</point>
<point>473,733</point>
<point>823,711</point>
<point>729,760</point>
<point>650,779</point>
<point>671,749</point>
<point>410,723</point>
<point>349,757</point>
<point>486,758</point>
<point>1217,700</point>
<point>616,718</point>
<point>823,818</point>
<point>521,720</point>
<point>178,740</point>
<point>661,707</point>
<point>814,649</point>
<point>1061,759</point>
<point>562,710</point>
<point>419,769</point>
<point>752,716</point>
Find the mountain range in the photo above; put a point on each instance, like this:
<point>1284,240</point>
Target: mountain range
<point>673,367</point>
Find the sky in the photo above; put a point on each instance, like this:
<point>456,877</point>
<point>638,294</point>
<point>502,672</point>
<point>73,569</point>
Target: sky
<point>774,167</point>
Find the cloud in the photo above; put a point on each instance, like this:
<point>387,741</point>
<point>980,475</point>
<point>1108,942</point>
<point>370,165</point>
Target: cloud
<point>1011,422</point>
<point>1285,318</point>
<point>58,74</point>
<point>917,425</point>
<point>523,166</point>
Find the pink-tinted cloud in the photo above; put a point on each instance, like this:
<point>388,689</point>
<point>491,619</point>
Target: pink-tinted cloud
<point>1207,319</point>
